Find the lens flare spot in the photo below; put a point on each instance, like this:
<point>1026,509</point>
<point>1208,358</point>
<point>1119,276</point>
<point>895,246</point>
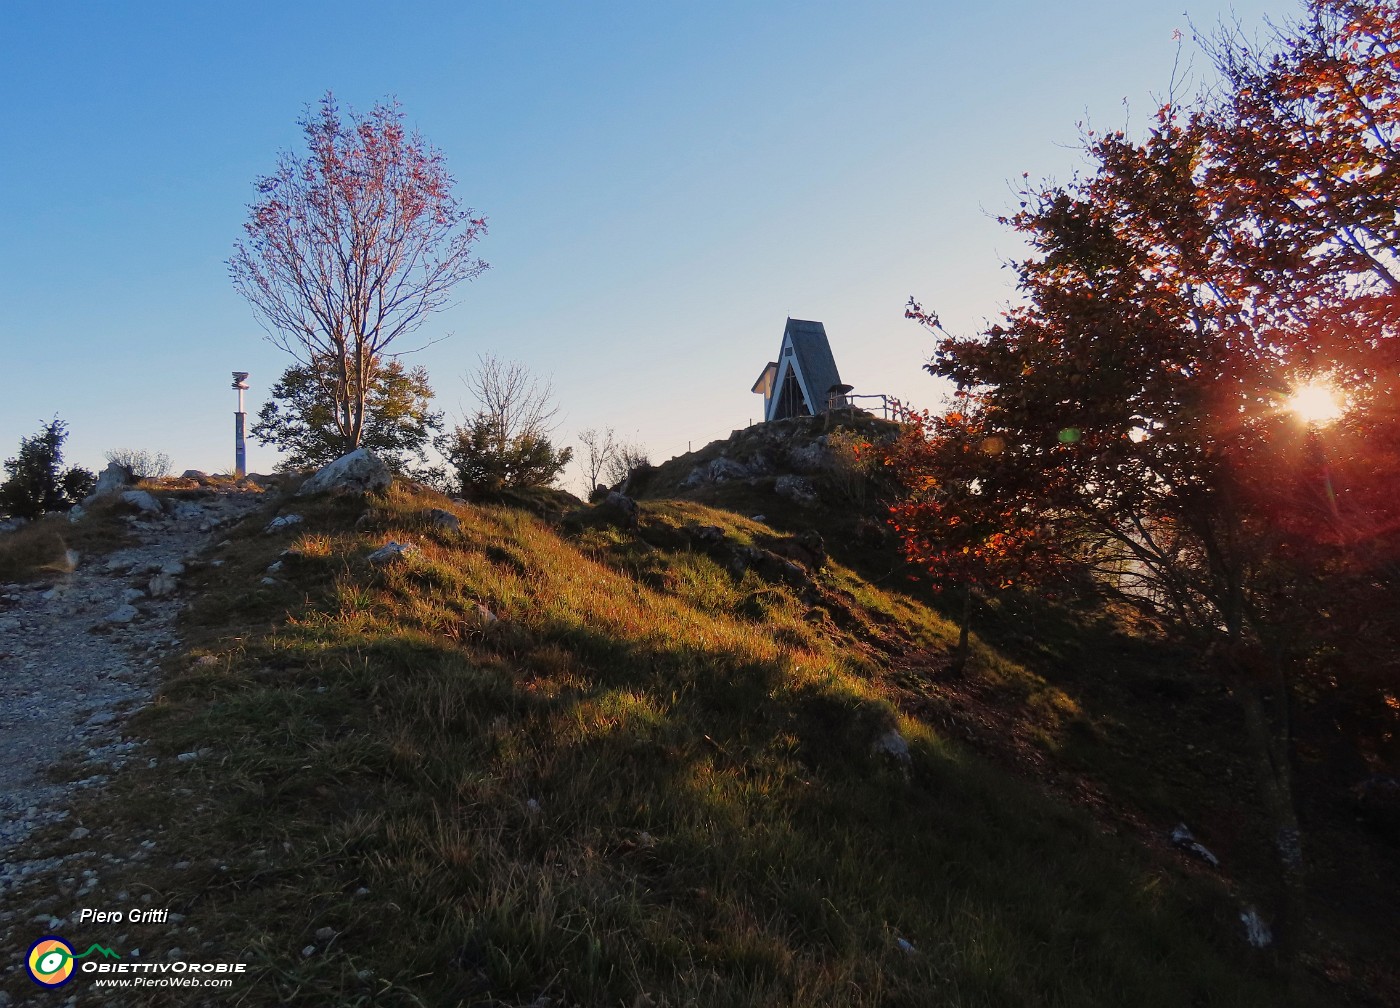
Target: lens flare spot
<point>1069,435</point>
<point>1317,402</point>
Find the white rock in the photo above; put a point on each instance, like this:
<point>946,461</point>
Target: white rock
<point>281,522</point>
<point>142,502</point>
<point>1256,932</point>
<point>161,585</point>
<point>392,552</point>
<point>892,744</point>
<point>359,472</point>
<point>111,479</point>
<point>121,614</point>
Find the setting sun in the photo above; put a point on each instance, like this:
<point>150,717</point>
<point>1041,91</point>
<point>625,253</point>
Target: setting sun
<point>1317,402</point>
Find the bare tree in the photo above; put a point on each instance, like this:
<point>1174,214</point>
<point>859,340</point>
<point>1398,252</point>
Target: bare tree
<point>506,442</point>
<point>599,449</point>
<point>626,458</point>
<point>351,246</point>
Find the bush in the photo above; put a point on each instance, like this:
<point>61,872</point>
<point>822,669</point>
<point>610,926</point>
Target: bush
<point>143,465</point>
<point>36,482</point>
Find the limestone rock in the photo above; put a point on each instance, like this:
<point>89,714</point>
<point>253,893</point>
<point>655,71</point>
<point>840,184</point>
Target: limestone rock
<point>1181,837</point>
<point>359,472</point>
<point>705,535</point>
<point>121,614</point>
<point>618,509</point>
<point>142,502</point>
<point>797,489</point>
<point>443,519</point>
<point>110,480</point>
<point>393,552</point>
<point>720,470</point>
<point>161,585</point>
<point>283,522</point>
<point>1256,932</point>
<point>892,744</point>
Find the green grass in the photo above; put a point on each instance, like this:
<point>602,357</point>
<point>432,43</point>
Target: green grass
<point>648,782</point>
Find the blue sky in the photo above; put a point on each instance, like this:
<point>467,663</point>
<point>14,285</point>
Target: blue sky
<point>665,184</point>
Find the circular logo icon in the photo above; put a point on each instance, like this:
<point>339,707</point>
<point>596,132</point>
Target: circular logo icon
<point>50,962</point>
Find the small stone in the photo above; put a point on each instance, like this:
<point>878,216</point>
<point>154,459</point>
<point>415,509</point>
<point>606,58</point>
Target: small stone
<point>279,523</point>
<point>892,744</point>
<point>121,615</point>
<point>80,833</point>
<point>309,951</point>
<point>392,552</point>
<point>443,519</point>
<point>325,934</point>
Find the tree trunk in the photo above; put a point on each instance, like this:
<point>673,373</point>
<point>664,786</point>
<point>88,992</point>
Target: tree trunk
<point>960,652</point>
<point>1271,747</point>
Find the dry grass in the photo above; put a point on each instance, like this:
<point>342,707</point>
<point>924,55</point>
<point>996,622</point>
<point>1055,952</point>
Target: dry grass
<point>612,773</point>
<point>39,549</point>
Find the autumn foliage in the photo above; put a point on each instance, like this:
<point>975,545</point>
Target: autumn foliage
<point>350,246</point>
<point>1173,298</point>
<point>1140,396</point>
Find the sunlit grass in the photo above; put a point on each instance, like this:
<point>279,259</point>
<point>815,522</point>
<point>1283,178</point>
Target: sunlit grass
<point>611,773</point>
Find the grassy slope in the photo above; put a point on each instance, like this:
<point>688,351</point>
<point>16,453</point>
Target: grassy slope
<point>647,783</point>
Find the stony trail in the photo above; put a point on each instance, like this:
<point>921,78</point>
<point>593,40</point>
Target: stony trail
<point>79,655</point>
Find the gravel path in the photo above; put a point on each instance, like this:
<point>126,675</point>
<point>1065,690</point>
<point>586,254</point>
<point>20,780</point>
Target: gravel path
<point>77,657</point>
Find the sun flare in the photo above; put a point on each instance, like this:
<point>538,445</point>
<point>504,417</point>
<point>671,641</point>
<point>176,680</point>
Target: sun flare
<point>1317,402</point>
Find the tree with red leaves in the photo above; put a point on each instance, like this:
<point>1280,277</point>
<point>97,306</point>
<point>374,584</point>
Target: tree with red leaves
<point>1139,395</point>
<point>351,246</point>
<point>963,515</point>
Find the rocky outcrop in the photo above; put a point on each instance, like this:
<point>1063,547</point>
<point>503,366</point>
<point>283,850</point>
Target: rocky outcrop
<point>808,461</point>
<point>110,480</point>
<point>359,472</point>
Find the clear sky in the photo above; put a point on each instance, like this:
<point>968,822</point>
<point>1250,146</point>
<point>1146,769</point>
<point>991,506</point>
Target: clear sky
<point>665,183</point>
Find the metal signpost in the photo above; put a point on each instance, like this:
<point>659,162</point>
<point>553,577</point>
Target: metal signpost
<point>240,453</point>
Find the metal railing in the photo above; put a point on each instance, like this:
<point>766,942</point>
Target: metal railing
<point>836,401</point>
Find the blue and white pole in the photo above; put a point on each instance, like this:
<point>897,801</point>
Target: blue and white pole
<point>240,451</point>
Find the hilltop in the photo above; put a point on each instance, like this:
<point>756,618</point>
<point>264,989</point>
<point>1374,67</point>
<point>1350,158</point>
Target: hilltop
<point>555,754</point>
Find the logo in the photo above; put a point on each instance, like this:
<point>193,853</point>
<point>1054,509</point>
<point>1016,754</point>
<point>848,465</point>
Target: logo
<point>50,960</point>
